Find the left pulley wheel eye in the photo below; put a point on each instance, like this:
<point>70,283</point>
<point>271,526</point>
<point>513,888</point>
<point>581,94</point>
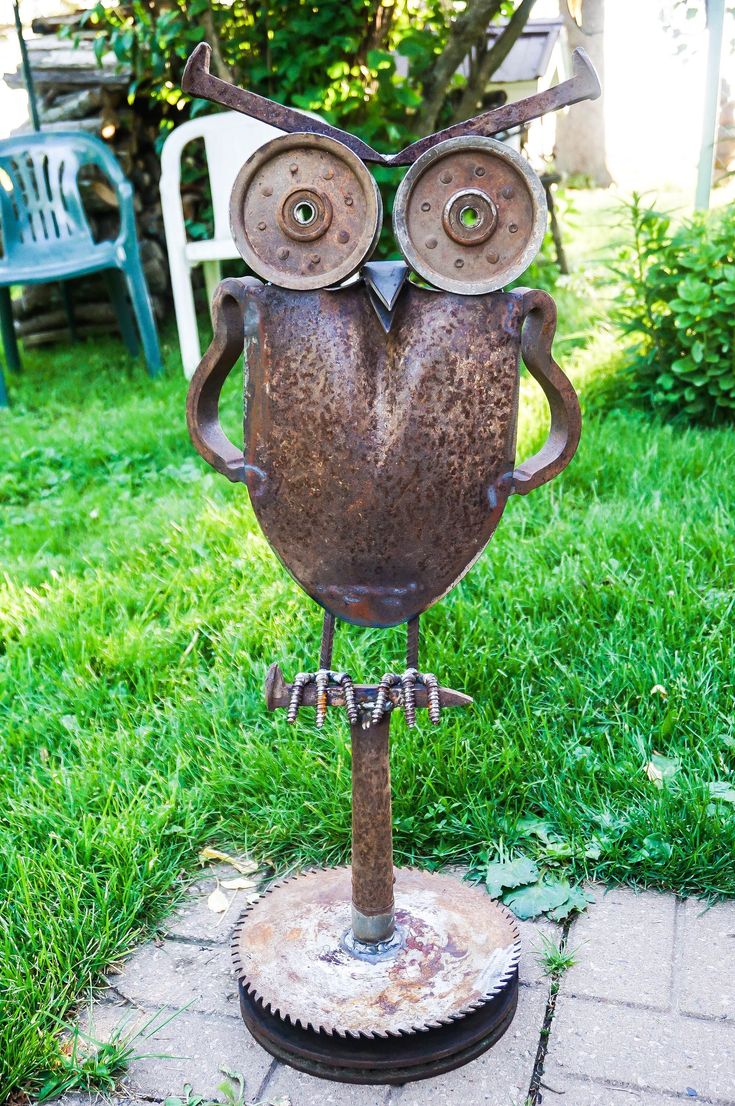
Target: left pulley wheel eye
<point>305,212</point>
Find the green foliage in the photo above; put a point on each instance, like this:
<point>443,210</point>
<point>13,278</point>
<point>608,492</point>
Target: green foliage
<point>320,56</point>
<point>86,1064</point>
<point>678,303</point>
<point>555,958</point>
<point>529,893</point>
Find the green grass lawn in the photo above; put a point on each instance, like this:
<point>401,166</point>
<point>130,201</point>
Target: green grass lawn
<point>140,608</point>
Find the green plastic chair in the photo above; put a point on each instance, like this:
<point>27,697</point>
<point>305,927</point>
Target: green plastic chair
<point>46,235</point>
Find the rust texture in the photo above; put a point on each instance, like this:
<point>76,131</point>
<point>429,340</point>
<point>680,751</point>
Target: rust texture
<point>305,211</point>
<point>278,693</point>
<point>421,426</point>
<point>198,81</point>
<point>372,838</point>
<point>459,950</point>
<point>470,215</point>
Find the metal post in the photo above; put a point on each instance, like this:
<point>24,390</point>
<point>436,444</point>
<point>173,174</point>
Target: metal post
<point>372,835</point>
<point>715,21</point>
<point>26,65</point>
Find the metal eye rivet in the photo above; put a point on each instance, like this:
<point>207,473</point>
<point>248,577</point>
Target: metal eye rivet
<point>343,236</point>
<point>513,227</point>
<point>446,178</point>
<point>431,243</point>
<point>426,206</point>
<point>507,193</point>
<point>459,263</point>
<point>293,168</point>
<point>328,174</point>
<point>283,253</point>
<point>349,201</point>
<point>262,225</point>
<point>480,171</point>
<point>267,191</point>
<point>492,258</point>
<point>315,259</point>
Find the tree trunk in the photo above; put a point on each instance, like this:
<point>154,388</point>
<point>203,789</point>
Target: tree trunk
<point>580,133</point>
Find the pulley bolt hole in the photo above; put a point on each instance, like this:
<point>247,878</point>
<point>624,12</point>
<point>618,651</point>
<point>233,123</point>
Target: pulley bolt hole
<point>304,213</point>
<point>469,217</point>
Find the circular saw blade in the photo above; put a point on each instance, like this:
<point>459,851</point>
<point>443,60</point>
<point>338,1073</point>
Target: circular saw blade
<point>459,952</point>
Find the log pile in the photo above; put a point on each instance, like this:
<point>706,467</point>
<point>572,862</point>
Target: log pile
<point>75,92</point>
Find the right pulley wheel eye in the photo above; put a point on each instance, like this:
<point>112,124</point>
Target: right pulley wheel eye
<point>470,215</point>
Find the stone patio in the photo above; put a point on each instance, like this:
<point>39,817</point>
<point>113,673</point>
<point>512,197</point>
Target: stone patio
<point>646,1016</point>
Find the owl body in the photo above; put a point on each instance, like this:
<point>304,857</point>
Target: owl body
<point>379,464</point>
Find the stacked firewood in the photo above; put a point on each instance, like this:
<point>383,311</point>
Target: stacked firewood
<point>76,92</point>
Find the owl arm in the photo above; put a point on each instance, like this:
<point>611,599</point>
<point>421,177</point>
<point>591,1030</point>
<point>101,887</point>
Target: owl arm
<point>202,404</point>
<point>539,326</point>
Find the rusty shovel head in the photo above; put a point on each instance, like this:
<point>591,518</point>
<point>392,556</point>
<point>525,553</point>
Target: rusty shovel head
<point>379,463</point>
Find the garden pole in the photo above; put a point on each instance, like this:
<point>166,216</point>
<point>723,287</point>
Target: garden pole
<point>26,65</point>
<point>372,836</point>
<point>715,22</point>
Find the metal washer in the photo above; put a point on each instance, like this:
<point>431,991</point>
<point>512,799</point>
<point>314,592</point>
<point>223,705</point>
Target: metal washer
<point>509,202</point>
<point>305,212</point>
<point>447,996</point>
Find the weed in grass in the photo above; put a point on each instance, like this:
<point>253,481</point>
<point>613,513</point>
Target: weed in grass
<point>85,1064</point>
<point>554,958</point>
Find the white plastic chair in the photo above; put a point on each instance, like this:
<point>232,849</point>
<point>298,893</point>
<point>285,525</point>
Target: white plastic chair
<point>229,140</point>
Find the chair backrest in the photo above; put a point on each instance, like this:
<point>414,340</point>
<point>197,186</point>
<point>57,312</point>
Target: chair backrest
<point>40,203</point>
<point>229,140</point>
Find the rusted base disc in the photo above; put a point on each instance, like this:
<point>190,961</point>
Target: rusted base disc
<point>445,997</point>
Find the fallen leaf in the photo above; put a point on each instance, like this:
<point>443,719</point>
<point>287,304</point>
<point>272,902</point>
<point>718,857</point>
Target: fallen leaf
<point>240,883</point>
<point>658,689</point>
<point>282,1100</point>
<point>218,901</point>
<point>660,768</point>
<point>511,873</point>
<point>245,866</point>
<point>723,791</point>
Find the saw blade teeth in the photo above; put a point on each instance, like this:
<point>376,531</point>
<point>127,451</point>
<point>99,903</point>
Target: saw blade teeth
<point>371,1034</point>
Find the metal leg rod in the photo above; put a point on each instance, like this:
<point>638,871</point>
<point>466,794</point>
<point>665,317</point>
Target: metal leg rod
<point>372,837</point>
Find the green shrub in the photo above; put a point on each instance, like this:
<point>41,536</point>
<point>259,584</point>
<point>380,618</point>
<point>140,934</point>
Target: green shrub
<point>678,301</point>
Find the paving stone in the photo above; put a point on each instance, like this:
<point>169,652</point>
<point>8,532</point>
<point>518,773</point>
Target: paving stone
<point>705,962</point>
<point>625,947</point>
<point>641,1049</point>
<point>177,975</point>
<point>188,1048</point>
<point>193,920</point>
<point>575,1092</point>
<point>500,1077</point>
<point>305,1090</point>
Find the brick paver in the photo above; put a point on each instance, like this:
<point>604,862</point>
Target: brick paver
<point>647,1016</point>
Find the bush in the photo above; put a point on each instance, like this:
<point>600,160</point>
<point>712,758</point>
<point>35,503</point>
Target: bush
<point>678,300</point>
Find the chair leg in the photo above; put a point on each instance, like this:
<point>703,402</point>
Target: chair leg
<point>10,342</point>
<point>68,302</point>
<point>212,271</point>
<point>141,302</point>
<point>119,299</point>
<point>3,390</point>
<point>186,319</point>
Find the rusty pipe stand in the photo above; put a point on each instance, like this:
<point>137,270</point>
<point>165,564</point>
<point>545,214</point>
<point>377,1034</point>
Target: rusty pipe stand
<point>366,974</point>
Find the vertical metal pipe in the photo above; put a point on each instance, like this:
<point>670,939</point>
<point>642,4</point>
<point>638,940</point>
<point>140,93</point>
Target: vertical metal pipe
<point>372,834</point>
<point>715,23</point>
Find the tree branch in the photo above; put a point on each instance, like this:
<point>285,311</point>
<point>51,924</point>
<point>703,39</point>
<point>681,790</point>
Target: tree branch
<point>219,64</point>
<point>472,97</point>
<point>467,29</point>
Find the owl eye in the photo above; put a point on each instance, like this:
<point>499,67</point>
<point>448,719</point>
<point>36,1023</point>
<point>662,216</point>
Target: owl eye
<point>305,212</point>
<point>470,215</point>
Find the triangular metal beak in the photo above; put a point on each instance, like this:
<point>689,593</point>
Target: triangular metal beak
<point>384,280</point>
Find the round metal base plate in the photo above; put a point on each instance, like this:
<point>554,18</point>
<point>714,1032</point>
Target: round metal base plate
<point>446,996</point>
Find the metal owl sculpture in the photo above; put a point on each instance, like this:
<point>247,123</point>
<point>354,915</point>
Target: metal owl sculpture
<point>381,403</point>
